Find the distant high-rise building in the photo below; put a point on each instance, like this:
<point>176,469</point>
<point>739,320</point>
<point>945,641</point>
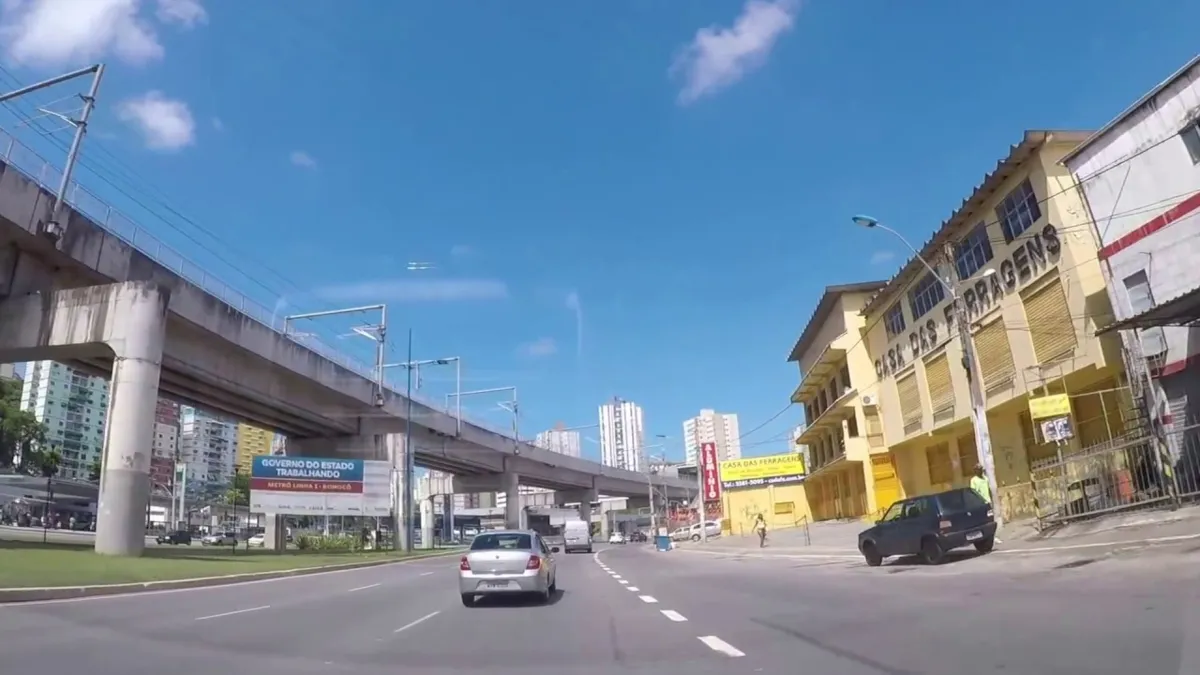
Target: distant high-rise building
<point>208,446</point>
<point>252,441</point>
<point>560,440</point>
<point>74,408</point>
<point>712,427</point>
<point>165,444</point>
<point>622,435</point>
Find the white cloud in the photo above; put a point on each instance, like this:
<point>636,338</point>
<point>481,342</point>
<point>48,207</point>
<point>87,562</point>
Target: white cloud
<point>165,124</point>
<point>63,33</point>
<point>405,290</point>
<point>541,347</point>
<point>718,56</point>
<point>302,159</point>
<point>880,257</point>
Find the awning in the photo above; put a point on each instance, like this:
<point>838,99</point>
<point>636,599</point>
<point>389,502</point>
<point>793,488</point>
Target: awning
<point>1182,310</point>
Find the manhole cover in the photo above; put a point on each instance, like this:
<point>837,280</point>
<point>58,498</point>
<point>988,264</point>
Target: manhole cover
<point>1075,564</point>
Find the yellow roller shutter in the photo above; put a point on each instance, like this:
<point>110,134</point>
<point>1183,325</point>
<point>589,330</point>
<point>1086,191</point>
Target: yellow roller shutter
<point>937,380</point>
<point>887,485</point>
<point>994,354</point>
<point>941,470</point>
<point>968,457</point>
<point>910,399</point>
<point>1051,328</point>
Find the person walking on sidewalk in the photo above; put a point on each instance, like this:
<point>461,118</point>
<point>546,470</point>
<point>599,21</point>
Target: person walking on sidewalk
<point>760,526</point>
<point>979,483</point>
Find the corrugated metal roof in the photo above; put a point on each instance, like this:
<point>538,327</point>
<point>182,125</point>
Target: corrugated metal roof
<point>1146,98</point>
<point>824,308</point>
<point>931,250</point>
<point>1181,310</point>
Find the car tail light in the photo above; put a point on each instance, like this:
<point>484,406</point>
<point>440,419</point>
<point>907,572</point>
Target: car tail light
<point>534,563</point>
<point>464,565</point>
<point>945,524</point>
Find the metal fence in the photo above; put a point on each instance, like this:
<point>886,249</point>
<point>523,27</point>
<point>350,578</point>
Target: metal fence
<point>40,170</point>
<point>1138,470</point>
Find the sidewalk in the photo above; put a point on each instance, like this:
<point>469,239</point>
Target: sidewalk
<point>835,539</point>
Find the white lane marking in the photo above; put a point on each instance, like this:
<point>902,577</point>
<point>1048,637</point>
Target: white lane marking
<point>410,624</point>
<point>216,587</point>
<point>635,589</point>
<point>363,588</point>
<point>718,645</point>
<point>673,615</point>
<point>616,576</point>
<point>425,574</point>
<point>649,599</point>
<point>624,581</point>
<point>236,611</point>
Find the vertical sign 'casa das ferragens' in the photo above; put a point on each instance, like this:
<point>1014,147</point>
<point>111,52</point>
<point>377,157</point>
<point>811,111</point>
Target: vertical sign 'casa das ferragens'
<point>1025,262</point>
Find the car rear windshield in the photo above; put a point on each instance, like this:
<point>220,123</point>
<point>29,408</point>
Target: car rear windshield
<point>493,542</point>
<point>957,501</point>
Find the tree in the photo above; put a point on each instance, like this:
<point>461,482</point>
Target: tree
<point>38,462</point>
<point>239,490</point>
<point>20,430</point>
<point>95,469</point>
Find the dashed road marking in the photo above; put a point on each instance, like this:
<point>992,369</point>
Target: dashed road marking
<point>635,589</point>
<point>624,581</point>
<point>410,624</point>
<point>236,611</point>
<point>363,588</point>
<point>649,599</point>
<point>616,576</point>
<point>673,615</point>
<point>718,645</point>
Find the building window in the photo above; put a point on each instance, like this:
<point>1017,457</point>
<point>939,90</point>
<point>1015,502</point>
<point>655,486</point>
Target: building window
<point>846,378</point>
<point>1141,299</point>
<point>973,252</point>
<point>893,320</point>
<point>1018,211</point>
<point>1191,140</point>
<point>925,295</point>
<point>852,426</point>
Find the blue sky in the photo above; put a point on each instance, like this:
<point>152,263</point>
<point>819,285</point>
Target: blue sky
<point>639,198</point>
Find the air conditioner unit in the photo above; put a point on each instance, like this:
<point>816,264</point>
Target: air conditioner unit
<point>868,399</point>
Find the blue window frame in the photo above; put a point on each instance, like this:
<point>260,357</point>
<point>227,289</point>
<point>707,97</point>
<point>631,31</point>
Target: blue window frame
<point>893,320</point>
<point>973,252</point>
<point>1018,211</point>
<point>925,295</point>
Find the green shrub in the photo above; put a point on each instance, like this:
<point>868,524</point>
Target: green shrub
<point>332,543</point>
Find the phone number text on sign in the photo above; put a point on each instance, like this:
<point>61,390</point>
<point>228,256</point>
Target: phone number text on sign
<point>760,482</point>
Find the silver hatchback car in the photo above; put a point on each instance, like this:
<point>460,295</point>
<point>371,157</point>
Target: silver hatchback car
<point>507,562</point>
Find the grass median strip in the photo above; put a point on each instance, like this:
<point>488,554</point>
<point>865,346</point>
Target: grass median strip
<point>36,565</point>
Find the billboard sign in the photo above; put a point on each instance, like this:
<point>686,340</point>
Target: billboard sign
<point>324,487</point>
<point>753,472</point>
<point>710,476</point>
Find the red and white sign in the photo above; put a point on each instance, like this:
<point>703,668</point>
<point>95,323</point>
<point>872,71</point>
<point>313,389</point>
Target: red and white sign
<point>710,472</point>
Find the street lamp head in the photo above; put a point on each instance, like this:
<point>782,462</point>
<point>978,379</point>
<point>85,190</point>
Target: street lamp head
<point>864,221</point>
<point>987,273</point>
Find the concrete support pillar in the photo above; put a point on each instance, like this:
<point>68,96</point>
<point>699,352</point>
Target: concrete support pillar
<point>139,329</point>
<point>428,520</point>
<point>512,500</point>
<point>275,533</point>
<point>447,518</point>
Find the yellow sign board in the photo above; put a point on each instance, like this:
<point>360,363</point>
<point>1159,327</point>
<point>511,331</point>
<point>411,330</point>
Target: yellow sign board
<point>1058,405</point>
<point>754,472</point>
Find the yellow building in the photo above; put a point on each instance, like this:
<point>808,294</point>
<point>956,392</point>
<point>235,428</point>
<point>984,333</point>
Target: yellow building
<point>851,474</point>
<point>251,441</point>
<point>772,485</point>
<point>1033,293</point>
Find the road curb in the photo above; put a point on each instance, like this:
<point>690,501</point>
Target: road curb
<point>19,595</point>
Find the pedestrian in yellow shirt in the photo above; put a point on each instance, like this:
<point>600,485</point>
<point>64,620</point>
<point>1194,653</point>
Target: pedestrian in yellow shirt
<point>979,483</point>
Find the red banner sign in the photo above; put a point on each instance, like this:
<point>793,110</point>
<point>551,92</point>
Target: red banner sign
<point>710,472</point>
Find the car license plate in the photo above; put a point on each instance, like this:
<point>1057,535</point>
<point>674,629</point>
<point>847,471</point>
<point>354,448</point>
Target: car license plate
<point>972,536</point>
<point>496,584</point>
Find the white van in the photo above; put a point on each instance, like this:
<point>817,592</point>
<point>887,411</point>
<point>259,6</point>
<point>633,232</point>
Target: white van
<point>577,536</point>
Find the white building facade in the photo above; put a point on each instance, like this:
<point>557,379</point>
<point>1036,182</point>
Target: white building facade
<point>622,435</point>
<point>712,427</point>
<point>1140,176</point>
<point>208,447</point>
<point>74,408</point>
<point>560,440</point>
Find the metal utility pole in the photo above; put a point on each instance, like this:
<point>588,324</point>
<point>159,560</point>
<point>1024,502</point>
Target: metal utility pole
<point>53,228</point>
<point>406,493</point>
<point>510,405</point>
<point>374,332</point>
<point>416,367</point>
<point>983,437</point>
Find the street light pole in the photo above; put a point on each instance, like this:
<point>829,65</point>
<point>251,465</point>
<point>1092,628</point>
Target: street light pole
<point>416,366</point>
<point>511,405</point>
<point>983,437</point>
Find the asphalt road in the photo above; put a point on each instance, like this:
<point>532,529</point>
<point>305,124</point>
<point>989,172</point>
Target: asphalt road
<point>629,609</point>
